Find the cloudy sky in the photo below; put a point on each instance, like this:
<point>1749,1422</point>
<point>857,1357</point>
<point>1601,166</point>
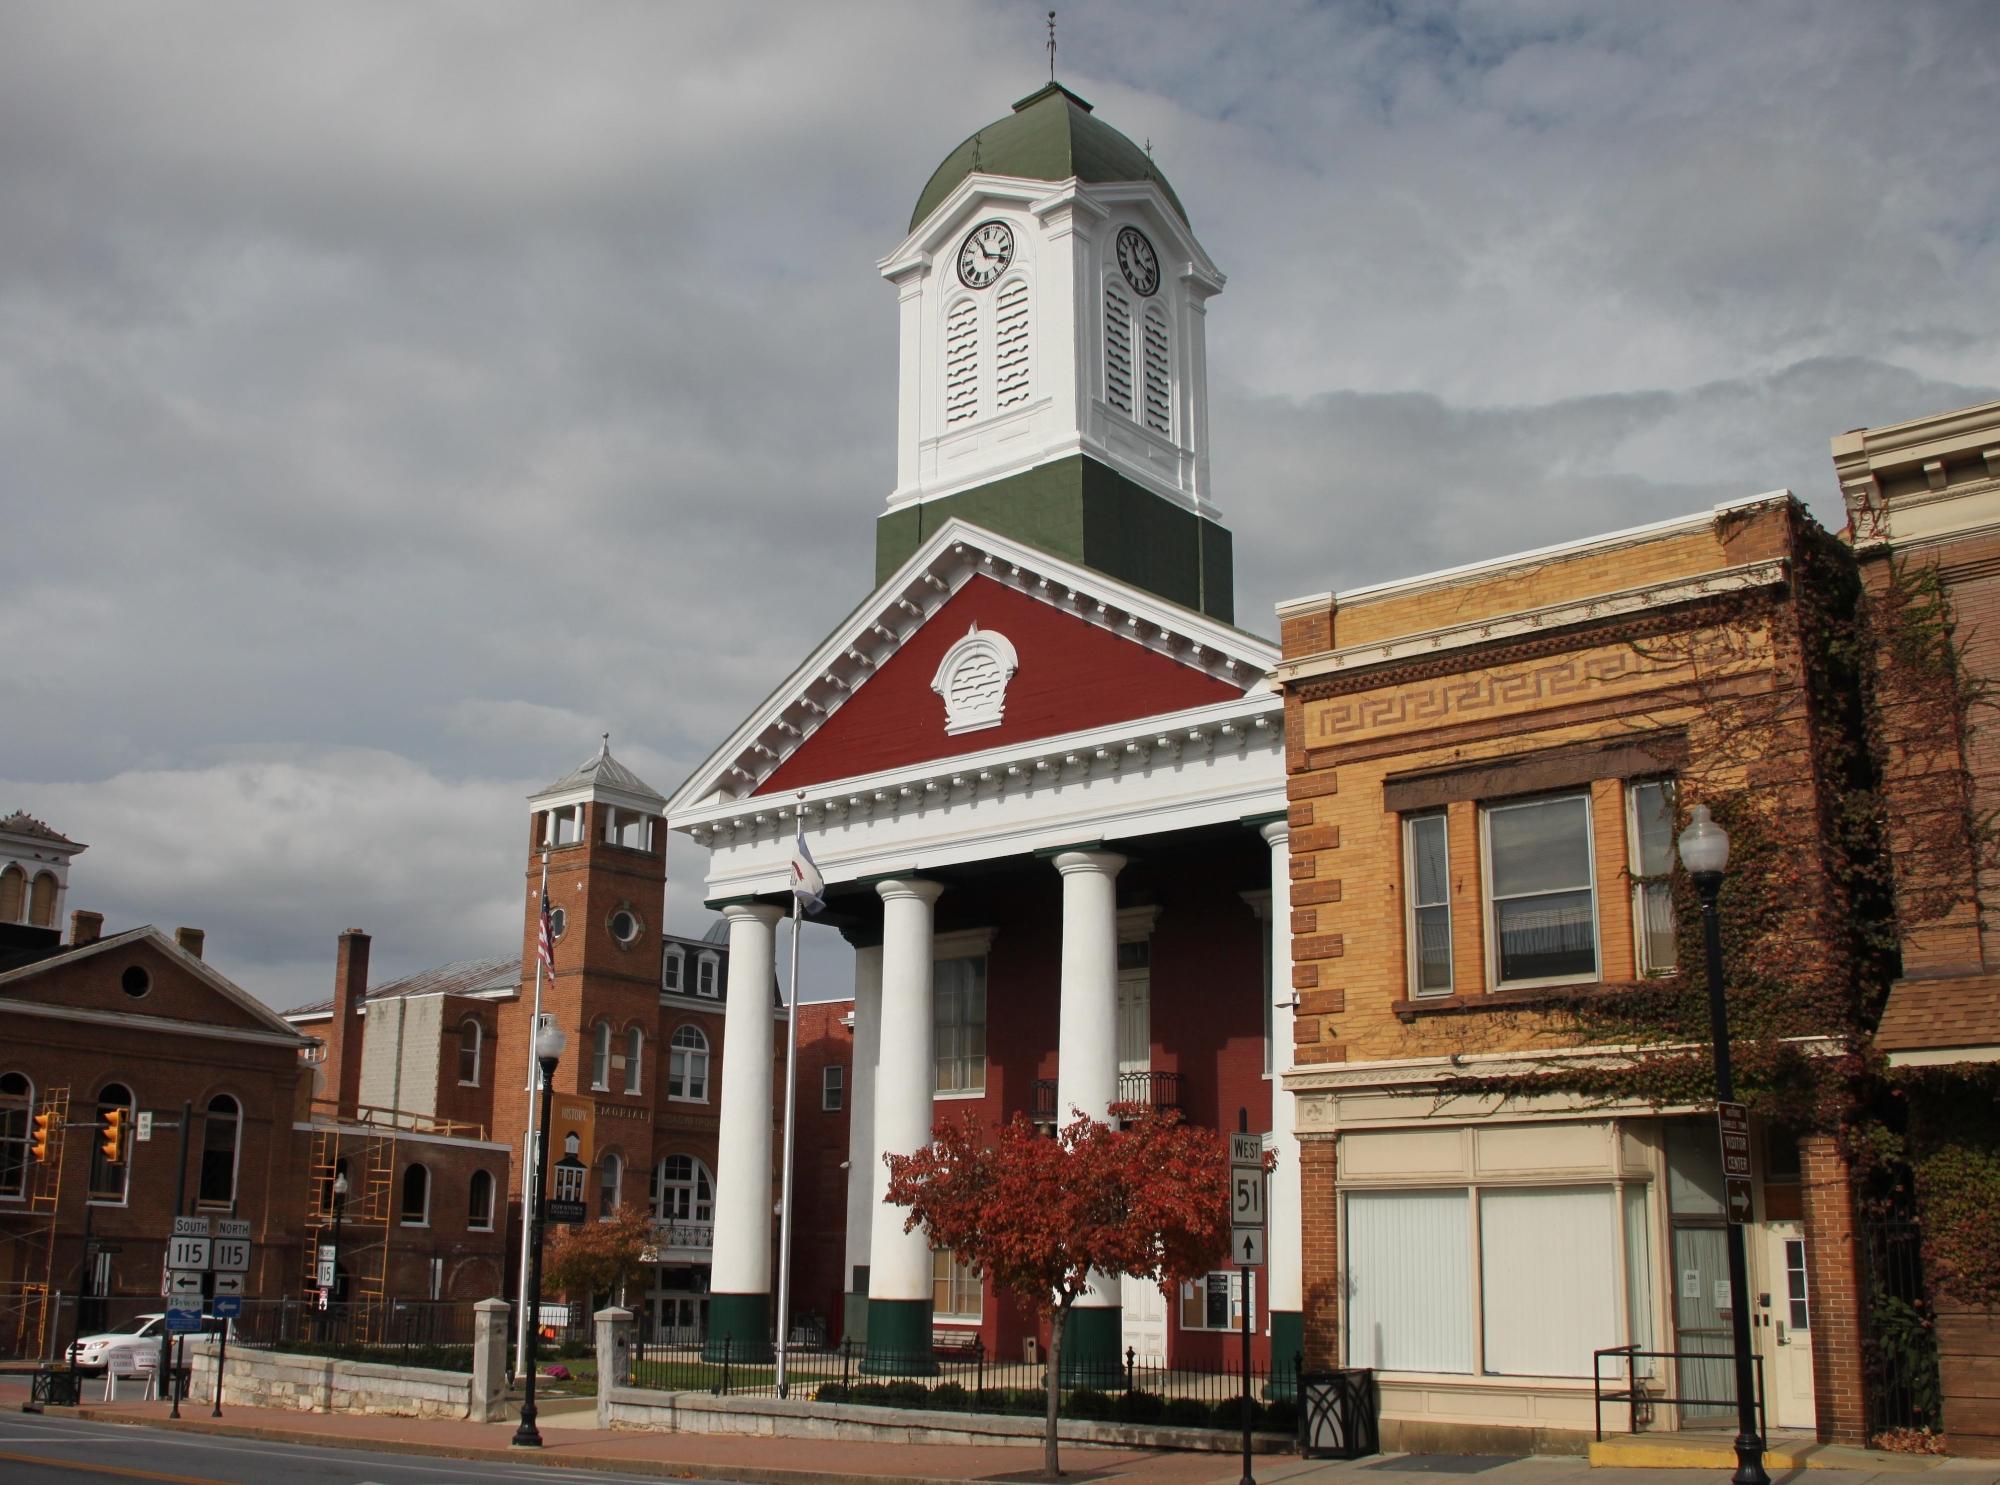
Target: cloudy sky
<point>395,396</point>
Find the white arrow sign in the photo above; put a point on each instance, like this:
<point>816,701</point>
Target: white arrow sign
<point>184,1283</point>
<point>227,1284</point>
<point>1246,1246</point>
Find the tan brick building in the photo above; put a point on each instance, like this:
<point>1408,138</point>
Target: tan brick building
<point>1483,774</point>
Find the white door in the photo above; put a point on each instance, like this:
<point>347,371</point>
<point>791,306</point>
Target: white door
<point>1135,1025</point>
<point>1783,1329</point>
<point>1145,1321</point>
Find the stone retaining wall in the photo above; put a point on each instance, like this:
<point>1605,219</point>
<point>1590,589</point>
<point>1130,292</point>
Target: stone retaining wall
<point>320,1384</point>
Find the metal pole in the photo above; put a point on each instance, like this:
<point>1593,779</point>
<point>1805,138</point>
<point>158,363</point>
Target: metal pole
<point>1248,1478</point>
<point>531,1176</point>
<point>180,1209</point>
<point>527,1435</point>
<point>785,1178</point>
<point>1749,1443</point>
<point>221,1361</point>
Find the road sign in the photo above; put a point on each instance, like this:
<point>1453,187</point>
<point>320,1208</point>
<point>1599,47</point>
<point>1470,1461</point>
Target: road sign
<point>188,1252</point>
<point>226,1306</point>
<point>1246,1202</point>
<point>191,1227</point>
<point>232,1227</point>
<point>145,1126</point>
<point>181,1321</point>
<point>1246,1246</point>
<point>229,1286</point>
<point>324,1275</point>
<point>1737,1198</point>
<point>231,1256</point>
<point>183,1284</point>
<point>1733,1121</point>
<point>566,1211</point>
<point>1246,1149</point>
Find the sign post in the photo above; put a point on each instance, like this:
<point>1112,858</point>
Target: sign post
<point>1246,1247</point>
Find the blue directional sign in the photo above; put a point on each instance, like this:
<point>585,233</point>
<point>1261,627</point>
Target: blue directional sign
<point>183,1322</point>
<point>226,1306</point>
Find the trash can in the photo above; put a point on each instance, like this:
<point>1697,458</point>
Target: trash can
<point>1338,1414</point>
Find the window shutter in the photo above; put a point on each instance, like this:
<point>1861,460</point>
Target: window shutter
<point>1159,379</point>
<point>961,362</point>
<point>1118,351</point>
<point>1010,345</point>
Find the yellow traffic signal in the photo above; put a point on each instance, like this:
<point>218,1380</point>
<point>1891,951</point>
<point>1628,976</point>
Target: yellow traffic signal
<point>38,1142</point>
<point>113,1141</point>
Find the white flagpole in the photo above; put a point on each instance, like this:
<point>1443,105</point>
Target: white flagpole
<point>785,1180</point>
<point>530,1176</point>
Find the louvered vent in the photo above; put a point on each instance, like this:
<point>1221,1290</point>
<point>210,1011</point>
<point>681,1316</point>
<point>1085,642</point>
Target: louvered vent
<point>1118,351</point>
<point>961,362</point>
<point>1010,345</point>
<point>1159,381</point>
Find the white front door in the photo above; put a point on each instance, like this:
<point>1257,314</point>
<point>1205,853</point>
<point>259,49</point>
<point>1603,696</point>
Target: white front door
<point>1145,1321</point>
<point>1783,1329</point>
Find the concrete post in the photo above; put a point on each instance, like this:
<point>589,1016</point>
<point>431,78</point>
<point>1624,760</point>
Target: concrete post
<point>489,1359</point>
<point>614,1357</point>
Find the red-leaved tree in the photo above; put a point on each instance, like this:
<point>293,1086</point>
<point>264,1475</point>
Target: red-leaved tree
<point>1150,1200</point>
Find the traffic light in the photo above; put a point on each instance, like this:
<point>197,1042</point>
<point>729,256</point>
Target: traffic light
<point>113,1134</point>
<point>38,1142</point>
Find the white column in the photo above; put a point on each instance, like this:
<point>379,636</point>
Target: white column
<point>1284,1257</point>
<point>1087,1044</point>
<point>866,1177</point>
<point>742,1263</point>
<point>899,1266</point>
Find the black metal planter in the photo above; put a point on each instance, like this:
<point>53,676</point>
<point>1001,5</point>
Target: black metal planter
<point>1338,1415</point>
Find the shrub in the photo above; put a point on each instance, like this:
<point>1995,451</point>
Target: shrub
<point>949,1395</point>
<point>1087,1402</point>
<point>1190,1412</point>
<point>832,1392</point>
<point>1140,1407</point>
<point>1280,1416</point>
<point>906,1395</point>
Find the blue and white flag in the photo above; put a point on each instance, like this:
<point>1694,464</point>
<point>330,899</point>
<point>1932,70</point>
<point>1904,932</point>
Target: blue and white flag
<point>808,886</point>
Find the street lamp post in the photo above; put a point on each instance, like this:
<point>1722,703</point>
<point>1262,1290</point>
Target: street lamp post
<point>333,1278</point>
<point>549,1043</point>
<point>1704,848</point>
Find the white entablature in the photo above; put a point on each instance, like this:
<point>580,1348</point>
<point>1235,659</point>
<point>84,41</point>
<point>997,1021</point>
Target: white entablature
<point>1059,353</point>
<point>956,553</point>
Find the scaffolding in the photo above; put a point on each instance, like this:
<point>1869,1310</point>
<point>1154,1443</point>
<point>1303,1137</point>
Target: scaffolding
<point>32,1300</point>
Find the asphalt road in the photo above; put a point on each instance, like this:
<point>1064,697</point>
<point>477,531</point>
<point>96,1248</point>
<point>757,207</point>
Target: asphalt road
<point>65,1451</point>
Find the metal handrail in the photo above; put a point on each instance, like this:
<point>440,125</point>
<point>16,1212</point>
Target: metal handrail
<point>1634,1393</point>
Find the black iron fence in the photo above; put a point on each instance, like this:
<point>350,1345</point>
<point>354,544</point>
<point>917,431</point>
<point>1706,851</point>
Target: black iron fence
<point>1643,1388</point>
<point>436,1334</point>
<point>966,1379</point>
<point>1900,1355</point>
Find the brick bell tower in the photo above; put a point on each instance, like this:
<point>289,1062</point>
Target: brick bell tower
<point>601,830</point>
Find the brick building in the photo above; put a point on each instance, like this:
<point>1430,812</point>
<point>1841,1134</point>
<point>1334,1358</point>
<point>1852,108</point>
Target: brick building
<point>1483,772</point>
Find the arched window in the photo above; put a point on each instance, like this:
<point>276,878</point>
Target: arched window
<point>17,1111</point>
<point>42,901</point>
<point>687,1070</point>
<point>479,1204</point>
<point>1118,349</point>
<point>109,1179</point>
<point>416,1210</point>
<point>221,1134</point>
<point>610,1170</point>
<point>683,1190</point>
<point>707,974</point>
<point>635,1054</point>
<point>1159,407</point>
<point>13,895</point>
<point>961,362</point>
<point>1010,345</point>
<point>600,1055</point>
<point>470,1036</point>
<point>672,963</point>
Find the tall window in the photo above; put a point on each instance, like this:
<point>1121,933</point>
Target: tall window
<point>109,1180</point>
<point>1159,408</point>
<point>221,1133</point>
<point>687,1067</point>
<point>672,963</point>
<point>1010,344</point>
<point>635,1049</point>
<point>958,1000</point>
<point>600,1055</point>
<point>470,1035</point>
<point>610,1172</point>
<point>42,901</point>
<point>832,1087</point>
<point>1651,833</point>
<point>683,1190</point>
<point>479,1202</point>
<point>17,1111</point>
<point>416,1209</point>
<point>1541,891</point>
<point>13,895</point>
<point>1427,868</point>
<point>954,1288</point>
<point>706,976</point>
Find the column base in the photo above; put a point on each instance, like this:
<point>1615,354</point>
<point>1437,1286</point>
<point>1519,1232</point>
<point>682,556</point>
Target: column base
<point>854,1316</point>
<point>739,1329</point>
<point>1093,1348</point>
<point>1288,1341</point>
<point>899,1339</point>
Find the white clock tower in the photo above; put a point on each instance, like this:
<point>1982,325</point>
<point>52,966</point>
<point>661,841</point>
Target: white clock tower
<point>1052,364</point>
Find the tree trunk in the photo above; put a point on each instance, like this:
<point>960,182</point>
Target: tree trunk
<point>1051,1466</point>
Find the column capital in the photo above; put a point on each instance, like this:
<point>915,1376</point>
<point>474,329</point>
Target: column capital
<point>767,913</point>
<point>922,889</point>
<point>1277,832</point>
<point>1100,863</point>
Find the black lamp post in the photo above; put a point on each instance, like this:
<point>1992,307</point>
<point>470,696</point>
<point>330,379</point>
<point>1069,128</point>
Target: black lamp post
<point>1704,847</point>
<point>549,1043</point>
<point>333,1278</point>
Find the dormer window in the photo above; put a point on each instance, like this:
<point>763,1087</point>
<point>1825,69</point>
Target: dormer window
<point>707,976</point>
<point>673,967</point>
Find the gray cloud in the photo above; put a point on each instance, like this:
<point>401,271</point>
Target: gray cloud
<point>394,398</point>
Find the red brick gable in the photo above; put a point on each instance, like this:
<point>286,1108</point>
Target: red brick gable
<point>1073,675</point>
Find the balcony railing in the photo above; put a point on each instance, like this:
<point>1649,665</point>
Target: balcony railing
<point>680,1236</point>
<point>1160,1090</point>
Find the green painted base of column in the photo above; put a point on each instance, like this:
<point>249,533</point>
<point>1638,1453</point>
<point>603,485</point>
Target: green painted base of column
<point>853,1316</point>
<point>739,1329</point>
<point>899,1339</point>
<point>1093,1348</point>
<point>1288,1341</point>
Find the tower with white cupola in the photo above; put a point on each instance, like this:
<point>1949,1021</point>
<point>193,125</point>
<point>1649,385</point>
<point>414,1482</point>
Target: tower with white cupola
<point>1052,361</point>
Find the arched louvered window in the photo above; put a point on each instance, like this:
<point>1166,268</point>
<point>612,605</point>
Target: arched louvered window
<point>961,362</point>
<point>1159,407</point>
<point>1118,349</point>
<point>42,901</point>
<point>1010,345</point>
<point>13,895</point>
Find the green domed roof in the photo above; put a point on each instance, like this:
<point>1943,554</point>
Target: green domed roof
<point>1051,135</point>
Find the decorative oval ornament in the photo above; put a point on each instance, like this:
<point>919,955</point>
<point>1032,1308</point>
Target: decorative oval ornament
<point>972,678</point>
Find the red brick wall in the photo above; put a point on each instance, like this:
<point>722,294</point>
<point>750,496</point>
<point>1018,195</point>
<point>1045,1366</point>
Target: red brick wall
<point>819,1229</point>
<point>1320,1212</point>
<point>1833,1281</point>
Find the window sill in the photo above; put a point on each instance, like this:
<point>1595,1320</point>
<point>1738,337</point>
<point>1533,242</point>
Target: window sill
<point>958,1093</point>
<point>683,1098</point>
<point>471,1083</point>
<point>472,1227</point>
<point>406,1222</point>
<point>1524,997</point>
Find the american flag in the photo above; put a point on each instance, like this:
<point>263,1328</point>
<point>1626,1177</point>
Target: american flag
<point>546,943</point>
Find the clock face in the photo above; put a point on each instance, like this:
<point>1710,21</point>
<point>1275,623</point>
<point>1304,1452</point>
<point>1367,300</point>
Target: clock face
<point>1137,260</point>
<point>987,251</point>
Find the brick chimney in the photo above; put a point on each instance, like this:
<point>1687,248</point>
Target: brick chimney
<point>343,1042</point>
<point>190,940</point>
<point>85,927</point>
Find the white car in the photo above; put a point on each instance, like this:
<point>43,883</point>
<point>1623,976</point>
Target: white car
<point>131,1350</point>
